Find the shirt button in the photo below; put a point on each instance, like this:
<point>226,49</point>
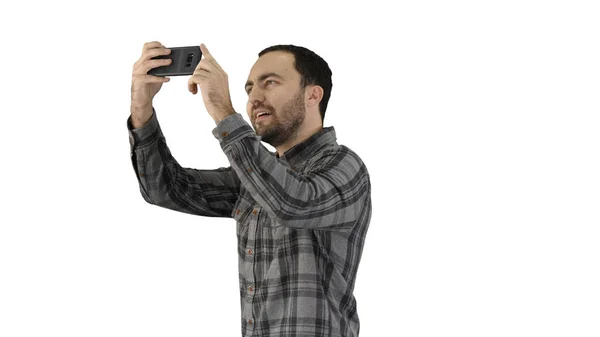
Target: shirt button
<point>249,251</point>
<point>225,134</point>
<point>141,174</point>
<point>249,321</point>
<point>254,212</point>
<point>249,169</point>
<point>250,288</point>
<point>237,212</point>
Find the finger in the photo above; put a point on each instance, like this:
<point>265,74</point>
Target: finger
<point>208,56</point>
<point>203,70</point>
<point>144,67</point>
<point>194,81</point>
<point>192,87</point>
<point>146,62</point>
<point>150,53</point>
<point>150,45</point>
<point>199,75</point>
<point>205,65</point>
<point>144,78</point>
<point>205,51</point>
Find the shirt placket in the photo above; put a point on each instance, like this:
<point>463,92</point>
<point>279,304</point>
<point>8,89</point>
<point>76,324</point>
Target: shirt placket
<point>249,263</point>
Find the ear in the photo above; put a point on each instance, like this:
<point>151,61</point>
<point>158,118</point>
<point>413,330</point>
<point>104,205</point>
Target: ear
<point>314,94</point>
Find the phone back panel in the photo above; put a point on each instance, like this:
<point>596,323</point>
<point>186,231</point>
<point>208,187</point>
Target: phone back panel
<point>185,60</point>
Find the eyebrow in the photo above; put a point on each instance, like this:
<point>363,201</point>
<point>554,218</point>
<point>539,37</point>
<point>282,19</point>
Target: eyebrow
<point>264,77</point>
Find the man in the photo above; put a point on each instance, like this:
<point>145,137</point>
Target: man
<point>302,213</point>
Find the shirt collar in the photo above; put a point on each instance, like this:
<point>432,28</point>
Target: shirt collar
<point>301,152</point>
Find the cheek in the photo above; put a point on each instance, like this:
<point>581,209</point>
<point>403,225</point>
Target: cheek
<point>249,109</point>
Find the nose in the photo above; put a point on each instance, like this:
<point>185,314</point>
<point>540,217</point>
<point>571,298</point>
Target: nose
<point>255,100</point>
<point>256,96</point>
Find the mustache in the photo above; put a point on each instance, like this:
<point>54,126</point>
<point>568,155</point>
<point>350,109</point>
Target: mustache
<point>262,106</point>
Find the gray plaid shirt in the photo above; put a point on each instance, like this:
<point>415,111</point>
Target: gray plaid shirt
<point>301,221</point>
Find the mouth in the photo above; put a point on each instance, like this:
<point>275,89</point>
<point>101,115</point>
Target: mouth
<point>262,117</point>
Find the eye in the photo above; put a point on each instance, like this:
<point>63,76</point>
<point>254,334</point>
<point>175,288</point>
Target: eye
<point>267,81</point>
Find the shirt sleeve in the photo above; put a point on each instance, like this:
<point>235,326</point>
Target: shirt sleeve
<point>330,196</point>
<point>163,182</point>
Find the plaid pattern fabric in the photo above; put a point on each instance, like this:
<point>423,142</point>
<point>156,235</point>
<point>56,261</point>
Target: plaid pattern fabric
<point>301,221</point>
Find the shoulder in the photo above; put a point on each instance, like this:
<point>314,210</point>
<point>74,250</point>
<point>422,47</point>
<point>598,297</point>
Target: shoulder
<point>342,159</point>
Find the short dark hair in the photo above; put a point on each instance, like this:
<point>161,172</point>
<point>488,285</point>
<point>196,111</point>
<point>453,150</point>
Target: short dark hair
<point>312,68</point>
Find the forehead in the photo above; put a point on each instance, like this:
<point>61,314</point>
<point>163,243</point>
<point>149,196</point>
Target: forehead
<point>278,62</point>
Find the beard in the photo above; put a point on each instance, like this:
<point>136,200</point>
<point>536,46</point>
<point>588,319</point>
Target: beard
<point>285,125</point>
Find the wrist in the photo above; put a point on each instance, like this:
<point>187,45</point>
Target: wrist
<point>140,116</point>
<point>222,115</point>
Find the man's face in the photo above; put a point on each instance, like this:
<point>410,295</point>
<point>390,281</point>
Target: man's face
<point>274,86</point>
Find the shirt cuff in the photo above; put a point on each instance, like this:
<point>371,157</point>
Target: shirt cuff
<point>230,129</point>
<point>144,135</point>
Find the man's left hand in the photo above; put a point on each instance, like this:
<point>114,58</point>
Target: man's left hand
<point>214,85</point>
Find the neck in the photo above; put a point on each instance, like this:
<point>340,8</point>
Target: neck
<point>298,138</point>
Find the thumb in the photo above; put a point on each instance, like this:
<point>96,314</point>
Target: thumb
<point>192,87</point>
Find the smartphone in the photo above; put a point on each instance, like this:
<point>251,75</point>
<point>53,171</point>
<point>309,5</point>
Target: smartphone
<point>185,60</point>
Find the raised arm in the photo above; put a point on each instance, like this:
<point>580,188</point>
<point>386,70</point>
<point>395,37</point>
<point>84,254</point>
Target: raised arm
<point>333,194</point>
<point>163,182</point>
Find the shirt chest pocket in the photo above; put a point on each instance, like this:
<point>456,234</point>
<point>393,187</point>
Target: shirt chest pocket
<point>241,211</point>
<point>247,208</point>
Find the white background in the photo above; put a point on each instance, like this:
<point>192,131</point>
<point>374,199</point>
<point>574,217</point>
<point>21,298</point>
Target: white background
<point>478,122</point>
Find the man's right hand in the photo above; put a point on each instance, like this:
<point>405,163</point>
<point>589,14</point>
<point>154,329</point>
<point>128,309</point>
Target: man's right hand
<point>144,86</point>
